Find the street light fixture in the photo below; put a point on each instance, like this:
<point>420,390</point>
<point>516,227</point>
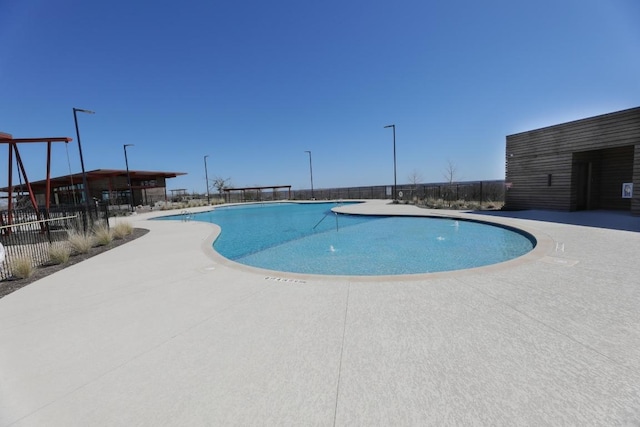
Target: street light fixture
<point>126,161</point>
<point>206,177</point>
<point>84,174</point>
<point>311,173</point>
<point>395,181</point>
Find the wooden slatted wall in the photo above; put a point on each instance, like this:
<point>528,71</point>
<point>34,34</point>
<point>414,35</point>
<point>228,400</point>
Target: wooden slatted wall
<point>635,202</point>
<point>542,171</point>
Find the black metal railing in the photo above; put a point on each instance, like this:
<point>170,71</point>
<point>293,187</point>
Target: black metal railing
<point>28,233</point>
<point>471,191</point>
<point>478,191</point>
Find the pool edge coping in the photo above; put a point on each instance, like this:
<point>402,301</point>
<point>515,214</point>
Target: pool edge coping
<point>543,247</point>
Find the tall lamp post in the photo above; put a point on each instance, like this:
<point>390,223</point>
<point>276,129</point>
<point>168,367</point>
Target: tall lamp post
<point>126,161</point>
<point>85,185</point>
<point>395,181</point>
<point>206,177</point>
<point>311,173</point>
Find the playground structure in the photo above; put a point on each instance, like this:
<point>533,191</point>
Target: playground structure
<point>12,144</point>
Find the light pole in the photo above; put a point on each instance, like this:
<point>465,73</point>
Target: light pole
<point>395,181</point>
<point>126,161</point>
<point>206,177</point>
<point>311,173</point>
<point>84,174</point>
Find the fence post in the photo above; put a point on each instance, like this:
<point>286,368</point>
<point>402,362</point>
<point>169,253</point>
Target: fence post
<point>46,225</point>
<point>85,213</point>
<point>105,212</point>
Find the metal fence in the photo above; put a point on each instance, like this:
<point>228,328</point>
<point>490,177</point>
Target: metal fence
<point>481,191</point>
<point>256,196</point>
<point>478,191</point>
<point>27,233</point>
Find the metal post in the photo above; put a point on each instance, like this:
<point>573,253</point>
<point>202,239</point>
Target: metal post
<point>206,177</point>
<point>311,172</point>
<point>126,161</point>
<point>395,181</point>
<point>84,174</point>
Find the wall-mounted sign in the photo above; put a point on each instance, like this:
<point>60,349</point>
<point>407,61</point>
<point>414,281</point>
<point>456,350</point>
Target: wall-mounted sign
<point>627,190</point>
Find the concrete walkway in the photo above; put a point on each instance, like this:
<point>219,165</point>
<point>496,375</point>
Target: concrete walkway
<point>163,331</point>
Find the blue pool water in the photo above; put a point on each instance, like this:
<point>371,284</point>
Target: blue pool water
<point>281,236</point>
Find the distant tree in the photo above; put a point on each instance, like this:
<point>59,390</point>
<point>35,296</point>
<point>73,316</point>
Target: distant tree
<point>451,172</point>
<point>450,175</point>
<point>414,179</point>
<point>220,184</point>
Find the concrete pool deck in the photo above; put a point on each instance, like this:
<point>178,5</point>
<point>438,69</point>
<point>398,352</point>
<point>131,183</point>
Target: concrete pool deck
<point>163,331</point>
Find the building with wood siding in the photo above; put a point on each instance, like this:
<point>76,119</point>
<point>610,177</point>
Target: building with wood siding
<point>106,185</point>
<point>593,163</point>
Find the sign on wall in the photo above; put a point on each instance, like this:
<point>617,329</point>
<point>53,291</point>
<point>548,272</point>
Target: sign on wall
<point>627,190</point>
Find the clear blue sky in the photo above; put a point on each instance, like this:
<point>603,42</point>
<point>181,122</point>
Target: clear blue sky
<point>254,84</point>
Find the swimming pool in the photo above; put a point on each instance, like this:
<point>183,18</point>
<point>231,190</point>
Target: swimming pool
<point>310,238</point>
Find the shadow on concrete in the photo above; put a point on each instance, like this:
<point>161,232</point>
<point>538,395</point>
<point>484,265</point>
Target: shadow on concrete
<point>614,220</point>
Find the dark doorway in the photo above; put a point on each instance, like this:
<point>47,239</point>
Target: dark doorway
<point>583,185</point>
<point>598,176</point>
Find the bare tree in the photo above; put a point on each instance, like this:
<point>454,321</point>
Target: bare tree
<point>450,175</point>
<point>451,172</point>
<point>220,184</point>
<point>414,179</point>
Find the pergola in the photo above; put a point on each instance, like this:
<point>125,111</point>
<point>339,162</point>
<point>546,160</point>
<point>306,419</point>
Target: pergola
<point>178,192</point>
<point>243,190</point>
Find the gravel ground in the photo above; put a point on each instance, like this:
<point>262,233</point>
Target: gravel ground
<point>12,285</point>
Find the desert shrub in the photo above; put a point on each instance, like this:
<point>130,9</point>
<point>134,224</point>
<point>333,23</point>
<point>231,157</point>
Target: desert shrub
<point>101,234</point>
<point>80,242</point>
<point>435,203</point>
<point>489,204</point>
<point>474,206</point>
<point>458,204</point>
<point>122,229</point>
<point>59,252</point>
<point>21,267</point>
